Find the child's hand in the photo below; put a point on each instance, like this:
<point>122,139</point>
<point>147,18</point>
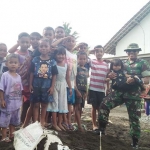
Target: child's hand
<point>70,91</point>
<point>108,91</point>
<point>84,96</point>
<point>129,80</point>
<point>66,38</point>
<point>3,104</point>
<point>112,75</point>
<point>50,91</point>
<point>107,79</point>
<point>79,94</point>
<point>31,88</point>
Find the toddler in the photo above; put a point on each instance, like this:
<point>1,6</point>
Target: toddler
<point>10,97</point>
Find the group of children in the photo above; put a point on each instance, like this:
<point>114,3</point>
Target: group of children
<point>51,80</point>
<point>48,77</point>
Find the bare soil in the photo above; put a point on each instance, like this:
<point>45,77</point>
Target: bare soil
<point>117,137</point>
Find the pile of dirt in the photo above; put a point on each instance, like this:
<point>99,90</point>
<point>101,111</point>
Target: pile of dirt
<point>117,137</point>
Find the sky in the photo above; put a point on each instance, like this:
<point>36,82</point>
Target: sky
<point>96,21</point>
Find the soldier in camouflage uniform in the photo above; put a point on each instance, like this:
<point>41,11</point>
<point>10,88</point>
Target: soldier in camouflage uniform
<point>133,66</point>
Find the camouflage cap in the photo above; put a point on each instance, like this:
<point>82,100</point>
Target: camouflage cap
<point>133,46</point>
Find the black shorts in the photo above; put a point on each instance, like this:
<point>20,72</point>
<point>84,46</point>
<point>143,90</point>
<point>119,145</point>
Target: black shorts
<point>80,100</point>
<point>95,98</point>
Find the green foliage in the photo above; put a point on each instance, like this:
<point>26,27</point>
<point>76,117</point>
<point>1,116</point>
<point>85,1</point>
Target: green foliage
<point>68,30</point>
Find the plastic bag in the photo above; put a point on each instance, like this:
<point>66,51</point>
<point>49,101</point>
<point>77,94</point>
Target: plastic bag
<point>28,138</point>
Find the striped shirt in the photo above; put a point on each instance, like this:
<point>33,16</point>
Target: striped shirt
<point>99,70</point>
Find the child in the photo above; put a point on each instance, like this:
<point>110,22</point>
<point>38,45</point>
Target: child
<point>24,59</point>
<point>59,37</point>
<point>49,33</point>
<point>59,32</point>
<point>42,80</point>
<point>60,93</point>
<point>11,97</point>
<point>81,87</point>
<point>99,70</point>
<point>24,43</point>
<point>71,59</point>
<point>120,82</point>
<point>35,37</point>
<point>146,95</point>
<point>34,51</point>
<point>3,53</point>
<point>81,47</point>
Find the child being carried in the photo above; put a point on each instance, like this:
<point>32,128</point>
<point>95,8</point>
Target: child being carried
<point>121,80</point>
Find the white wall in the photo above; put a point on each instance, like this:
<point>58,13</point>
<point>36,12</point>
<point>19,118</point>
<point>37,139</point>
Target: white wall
<point>140,34</point>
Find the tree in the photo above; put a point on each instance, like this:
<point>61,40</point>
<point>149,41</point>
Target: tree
<point>68,30</point>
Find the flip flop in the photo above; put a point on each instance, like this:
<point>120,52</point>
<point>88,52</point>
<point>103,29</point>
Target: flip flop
<point>66,126</point>
<point>7,140</point>
<point>71,127</point>
<point>84,127</point>
<point>96,130</point>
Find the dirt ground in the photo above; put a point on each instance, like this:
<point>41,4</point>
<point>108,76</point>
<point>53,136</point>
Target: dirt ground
<point>117,137</point>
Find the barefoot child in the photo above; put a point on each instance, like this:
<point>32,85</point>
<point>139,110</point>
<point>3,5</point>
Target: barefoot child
<point>71,59</point>
<point>81,87</point>
<point>42,80</point>
<point>99,70</point>
<point>60,92</point>
<point>10,97</point>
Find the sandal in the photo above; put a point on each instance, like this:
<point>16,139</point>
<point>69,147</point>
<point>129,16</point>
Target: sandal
<point>84,127</point>
<point>65,126</point>
<point>7,140</point>
<point>71,127</point>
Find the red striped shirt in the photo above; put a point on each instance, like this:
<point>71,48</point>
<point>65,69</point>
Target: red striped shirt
<point>99,72</point>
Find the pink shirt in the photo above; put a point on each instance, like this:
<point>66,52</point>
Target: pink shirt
<point>99,70</point>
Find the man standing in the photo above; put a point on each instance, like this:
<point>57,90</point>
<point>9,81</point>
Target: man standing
<point>133,66</point>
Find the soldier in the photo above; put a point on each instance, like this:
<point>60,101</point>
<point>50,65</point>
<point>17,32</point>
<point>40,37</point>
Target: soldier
<point>133,66</point>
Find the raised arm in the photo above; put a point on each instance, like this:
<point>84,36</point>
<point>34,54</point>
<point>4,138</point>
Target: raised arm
<point>14,48</point>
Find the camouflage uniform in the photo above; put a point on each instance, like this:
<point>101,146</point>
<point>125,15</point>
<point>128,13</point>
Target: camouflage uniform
<point>131,98</point>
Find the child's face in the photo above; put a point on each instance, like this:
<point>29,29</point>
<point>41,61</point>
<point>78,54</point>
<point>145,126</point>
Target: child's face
<point>59,33</point>
<point>70,43</point>
<point>82,59</point>
<point>3,51</point>
<point>116,68</point>
<point>24,43</point>
<point>49,34</point>
<point>60,57</point>
<point>83,48</point>
<point>35,41</point>
<point>12,64</point>
<point>99,53</point>
<point>44,47</point>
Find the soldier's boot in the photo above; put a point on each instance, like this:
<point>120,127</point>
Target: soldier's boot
<point>102,127</point>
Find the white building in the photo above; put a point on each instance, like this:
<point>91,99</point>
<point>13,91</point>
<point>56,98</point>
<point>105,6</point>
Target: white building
<point>136,30</point>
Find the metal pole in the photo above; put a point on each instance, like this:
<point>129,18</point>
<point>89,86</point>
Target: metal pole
<point>100,147</point>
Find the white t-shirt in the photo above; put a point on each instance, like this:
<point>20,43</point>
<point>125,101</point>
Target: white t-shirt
<point>71,60</point>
